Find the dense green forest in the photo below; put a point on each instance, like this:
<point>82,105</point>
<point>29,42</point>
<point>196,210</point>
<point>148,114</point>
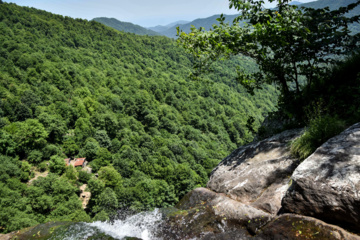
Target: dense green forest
<point>76,88</point>
<point>125,26</point>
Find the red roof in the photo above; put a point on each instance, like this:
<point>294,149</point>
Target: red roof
<point>79,161</point>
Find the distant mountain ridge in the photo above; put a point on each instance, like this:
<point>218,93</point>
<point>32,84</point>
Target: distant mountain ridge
<point>208,22</point>
<point>333,4</point>
<point>170,31</point>
<point>336,4</point>
<point>162,28</point>
<point>295,3</point>
<point>125,26</point>
<point>200,22</point>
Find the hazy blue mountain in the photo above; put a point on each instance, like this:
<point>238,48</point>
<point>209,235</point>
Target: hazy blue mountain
<point>295,3</point>
<point>177,23</point>
<point>333,4</point>
<point>162,28</point>
<point>125,26</point>
<point>208,22</point>
<point>200,22</point>
<point>336,4</point>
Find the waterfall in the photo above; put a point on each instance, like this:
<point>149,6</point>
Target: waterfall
<point>142,225</point>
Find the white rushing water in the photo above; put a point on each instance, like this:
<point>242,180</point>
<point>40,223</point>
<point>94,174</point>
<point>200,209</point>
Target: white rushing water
<point>142,225</point>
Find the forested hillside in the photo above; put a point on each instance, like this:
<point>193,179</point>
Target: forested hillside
<point>125,26</point>
<point>75,88</point>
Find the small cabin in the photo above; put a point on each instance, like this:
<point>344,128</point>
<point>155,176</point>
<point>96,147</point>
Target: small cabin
<point>80,162</point>
<point>76,162</point>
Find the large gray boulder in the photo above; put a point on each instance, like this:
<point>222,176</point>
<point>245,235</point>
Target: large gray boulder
<point>204,214</point>
<point>326,185</point>
<point>257,174</point>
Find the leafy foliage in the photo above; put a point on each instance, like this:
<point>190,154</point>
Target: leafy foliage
<point>292,46</point>
<point>302,50</point>
<point>332,105</point>
<point>320,129</point>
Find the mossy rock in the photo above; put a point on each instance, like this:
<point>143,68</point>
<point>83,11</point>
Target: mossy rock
<point>41,231</point>
<point>291,226</point>
<point>59,231</point>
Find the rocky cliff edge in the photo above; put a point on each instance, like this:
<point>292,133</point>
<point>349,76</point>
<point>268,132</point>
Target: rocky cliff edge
<point>261,192</point>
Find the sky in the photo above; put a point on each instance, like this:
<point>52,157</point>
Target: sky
<point>146,13</point>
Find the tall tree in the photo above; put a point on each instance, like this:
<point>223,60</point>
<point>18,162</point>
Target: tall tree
<point>288,43</point>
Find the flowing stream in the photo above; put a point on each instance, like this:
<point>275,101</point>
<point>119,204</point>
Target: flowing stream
<point>143,226</point>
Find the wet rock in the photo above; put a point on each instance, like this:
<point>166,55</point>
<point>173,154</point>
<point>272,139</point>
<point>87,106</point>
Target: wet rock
<point>257,174</point>
<point>326,185</point>
<point>59,231</point>
<point>41,231</point>
<point>290,226</point>
<point>205,214</point>
<point>237,234</point>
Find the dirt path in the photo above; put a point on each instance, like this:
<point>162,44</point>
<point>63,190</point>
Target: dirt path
<point>38,174</point>
<point>84,196</point>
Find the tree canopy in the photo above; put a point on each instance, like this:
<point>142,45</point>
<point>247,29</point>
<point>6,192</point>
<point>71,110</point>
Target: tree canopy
<point>292,46</point>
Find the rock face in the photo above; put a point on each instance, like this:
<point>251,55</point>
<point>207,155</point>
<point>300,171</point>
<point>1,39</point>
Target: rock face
<point>257,174</point>
<point>205,214</point>
<point>251,190</point>
<point>291,226</point>
<point>226,208</point>
<point>60,230</point>
<point>326,185</point>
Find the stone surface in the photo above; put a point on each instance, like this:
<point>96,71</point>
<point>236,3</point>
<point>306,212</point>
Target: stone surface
<point>7,236</point>
<point>291,226</point>
<point>59,230</point>
<point>326,185</point>
<point>257,174</point>
<point>205,214</point>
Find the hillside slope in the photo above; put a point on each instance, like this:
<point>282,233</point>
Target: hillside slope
<point>125,26</point>
<point>75,88</point>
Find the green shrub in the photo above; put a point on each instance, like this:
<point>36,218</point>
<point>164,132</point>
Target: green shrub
<point>57,165</point>
<point>320,129</point>
<point>35,156</point>
<point>43,166</point>
<point>84,177</point>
